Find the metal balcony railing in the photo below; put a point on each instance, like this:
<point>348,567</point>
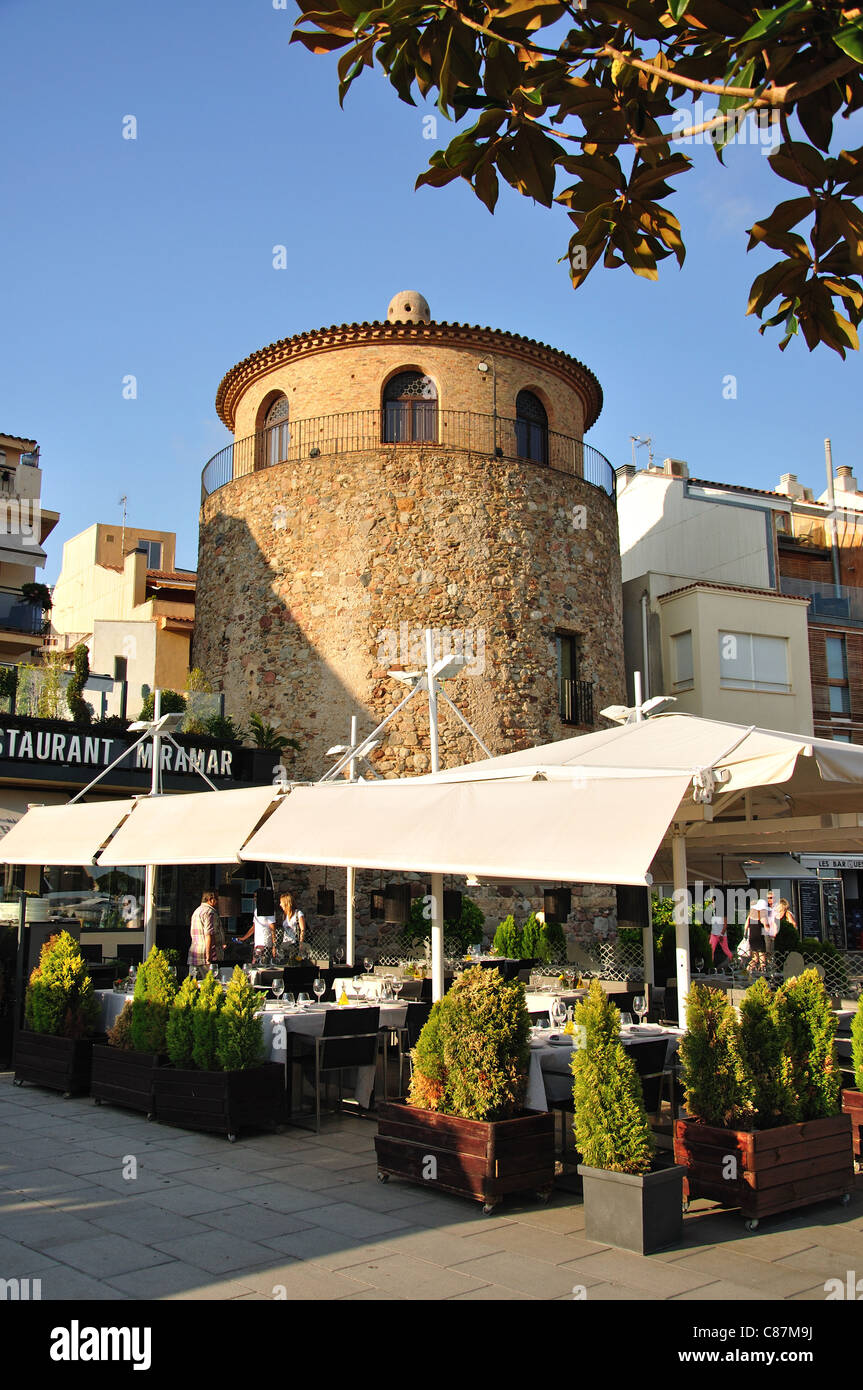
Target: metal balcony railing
<point>357,430</point>
<point>828,603</point>
<point>576,702</point>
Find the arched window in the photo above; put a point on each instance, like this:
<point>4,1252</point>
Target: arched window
<point>278,432</point>
<point>531,427</point>
<point>410,409</point>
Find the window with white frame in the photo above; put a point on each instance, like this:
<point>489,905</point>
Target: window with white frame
<point>749,661</point>
<point>154,553</point>
<point>684,670</point>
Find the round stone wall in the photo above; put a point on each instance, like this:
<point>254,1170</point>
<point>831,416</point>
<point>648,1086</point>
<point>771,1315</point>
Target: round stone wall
<point>316,578</point>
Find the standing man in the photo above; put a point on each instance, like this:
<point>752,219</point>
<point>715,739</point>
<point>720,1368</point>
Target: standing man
<point>772,927</point>
<point>208,937</point>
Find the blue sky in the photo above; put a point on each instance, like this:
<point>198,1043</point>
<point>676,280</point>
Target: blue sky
<point>153,257</point>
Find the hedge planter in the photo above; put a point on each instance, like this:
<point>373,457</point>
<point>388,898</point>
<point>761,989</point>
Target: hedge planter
<point>852,1104</point>
<point>481,1159</point>
<point>633,1212</point>
<point>767,1171</point>
<point>59,1064</point>
<point>124,1078</point>
<point>221,1102</point>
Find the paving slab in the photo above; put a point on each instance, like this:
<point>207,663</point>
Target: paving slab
<point>410,1278</point>
<point>65,1285</point>
<point>281,1197</point>
<point>186,1198</point>
<point>763,1278</point>
<point>254,1222</point>
<point>355,1221</point>
<point>104,1255</point>
<point>216,1251</point>
<point>539,1244</point>
<point>293,1281</point>
<point>519,1272</point>
<point>651,1274</point>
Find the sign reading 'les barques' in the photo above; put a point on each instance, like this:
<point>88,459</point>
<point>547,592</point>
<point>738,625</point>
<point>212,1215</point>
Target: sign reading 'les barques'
<point>85,750</point>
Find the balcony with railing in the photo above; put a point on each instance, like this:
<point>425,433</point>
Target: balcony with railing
<point>16,615</point>
<point>828,603</point>
<point>356,431</point>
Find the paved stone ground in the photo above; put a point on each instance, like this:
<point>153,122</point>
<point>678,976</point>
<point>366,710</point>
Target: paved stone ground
<point>304,1217</point>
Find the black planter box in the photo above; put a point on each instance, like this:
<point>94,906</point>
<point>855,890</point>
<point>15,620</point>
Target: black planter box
<point>221,1102</point>
<point>641,1213</point>
<point>125,1078</point>
<point>59,1064</point>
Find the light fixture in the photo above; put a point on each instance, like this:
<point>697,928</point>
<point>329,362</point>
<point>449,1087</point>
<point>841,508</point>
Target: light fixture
<point>482,366</point>
<point>165,725</point>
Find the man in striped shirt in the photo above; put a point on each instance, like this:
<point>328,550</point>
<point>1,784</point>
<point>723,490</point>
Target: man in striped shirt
<point>208,937</point>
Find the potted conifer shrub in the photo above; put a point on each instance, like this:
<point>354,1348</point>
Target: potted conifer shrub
<point>628,1201</point>
<point>61,1012</point>
<point>218,1080</point>
<point>123,1070</point>
<point>852,1101</point>
<point>463,1127</point>
<point>765,1132</point>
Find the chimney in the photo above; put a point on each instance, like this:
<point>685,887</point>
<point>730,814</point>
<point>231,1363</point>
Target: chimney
<point>789,487</point>
<point>675,468</point>
<point>845,480</point>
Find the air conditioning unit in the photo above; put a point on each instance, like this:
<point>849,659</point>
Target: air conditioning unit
<point>676,468</point>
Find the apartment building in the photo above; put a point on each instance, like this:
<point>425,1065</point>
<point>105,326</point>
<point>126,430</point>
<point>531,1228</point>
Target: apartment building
<point>24,527</point>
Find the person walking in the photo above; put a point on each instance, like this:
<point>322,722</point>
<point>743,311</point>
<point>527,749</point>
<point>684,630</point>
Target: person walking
<point>756,921</point>
<point>208,935</point>
<point>263,926</point>
<point>772,928</point>
<point>718,930</point>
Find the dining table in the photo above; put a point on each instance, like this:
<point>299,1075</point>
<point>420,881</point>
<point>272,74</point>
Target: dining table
<point>550,1073</point>
<point>280,1024</point>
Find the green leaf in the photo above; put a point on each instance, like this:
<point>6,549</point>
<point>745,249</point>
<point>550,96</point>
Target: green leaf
<point>677,9</point>
<point>850,40</point>
<point>770,21</point>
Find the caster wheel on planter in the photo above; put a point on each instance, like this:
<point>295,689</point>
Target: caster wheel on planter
<point>383,1177</point>
<point>845,1199</point>
<point>67,1095</point>
<point>16,1082</point>
<point>232,1138</point>
<point>752,1223</point>
<point>96,1100</point>
<point>687,1203</point>
<point>151,1115</point>
<point>488,1208</point>
<point>544,1196</point>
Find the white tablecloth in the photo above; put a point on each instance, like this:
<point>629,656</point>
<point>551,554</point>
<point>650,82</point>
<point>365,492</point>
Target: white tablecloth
<point>550,1075</point>
<point>110,1007</point>
<point>539,1001</point>
<point>279,1021</point>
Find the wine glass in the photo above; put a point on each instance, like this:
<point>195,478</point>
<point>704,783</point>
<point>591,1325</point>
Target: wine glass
<point>278,987</point>
<point>368,963</point>
<point>397,985</point>
<point>320,988</point>
<point>558,1012</point>
<point>625,1019</point>
<point>639,1004</point>
<point>340,954</point>
<point>290,1001</point>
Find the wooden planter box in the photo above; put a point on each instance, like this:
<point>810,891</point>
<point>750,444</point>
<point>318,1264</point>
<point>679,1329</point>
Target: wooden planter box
<point>776,1169</point>
<point>221,1102</point>
<point>641,1213</point>
<point>60,1064</point>
<point>125,1078</point>
<point>481,1159</point>
<point>852,1104</point>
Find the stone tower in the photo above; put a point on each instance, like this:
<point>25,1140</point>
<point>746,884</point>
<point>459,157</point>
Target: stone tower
<point>392,476</point>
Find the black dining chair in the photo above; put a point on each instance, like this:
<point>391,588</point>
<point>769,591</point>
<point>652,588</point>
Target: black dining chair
<point>416,1018</point>
<point>650,1063</point>
<point>349,1039</point>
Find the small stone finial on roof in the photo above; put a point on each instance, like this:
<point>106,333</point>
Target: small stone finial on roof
<point>408,306</point>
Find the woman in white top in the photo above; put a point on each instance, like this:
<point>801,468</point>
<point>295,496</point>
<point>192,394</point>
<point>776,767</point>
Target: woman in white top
<point>294,923</point>
<point>264,928</point>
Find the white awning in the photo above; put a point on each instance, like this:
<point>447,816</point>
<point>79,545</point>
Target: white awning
<point>588,832</point>
<point>190,828</point>
<point>765,866</point>
<point>64,834</point>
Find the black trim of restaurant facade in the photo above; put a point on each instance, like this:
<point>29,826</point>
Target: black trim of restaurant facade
<point>47,761</point>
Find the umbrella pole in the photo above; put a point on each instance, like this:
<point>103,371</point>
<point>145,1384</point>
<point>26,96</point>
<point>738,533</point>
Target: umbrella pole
<point>437,936</point>
<point>681,921</point>
<point>350,922</point>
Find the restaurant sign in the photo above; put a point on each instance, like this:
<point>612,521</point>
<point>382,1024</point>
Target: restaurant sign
<point>832,861</point>
<point>56,749</point>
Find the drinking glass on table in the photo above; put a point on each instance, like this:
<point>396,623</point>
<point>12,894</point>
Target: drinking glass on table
<point>397,985</point>
<point>368,963</point>
<point>357,987</point>
<point>320,988</point>
<point>558,1012</point>
<point>290,1001</point>
<point>340,954</point>
<point>303,1000</point>
<point>278,987</point>
<point>639,1004</point>
<point>625,1020</point>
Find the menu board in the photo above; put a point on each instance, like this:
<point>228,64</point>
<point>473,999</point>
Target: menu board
<point>810,908</point>
<point>834,912</point>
